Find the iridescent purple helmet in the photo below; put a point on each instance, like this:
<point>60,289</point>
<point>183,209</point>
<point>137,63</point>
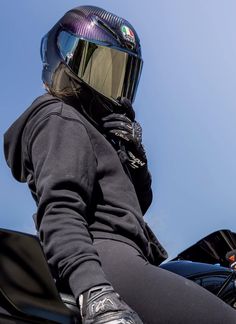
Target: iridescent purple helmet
<point>91,47</point>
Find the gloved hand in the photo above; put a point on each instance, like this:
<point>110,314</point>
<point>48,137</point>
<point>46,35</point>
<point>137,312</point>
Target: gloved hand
<point>102,305</point>
<point>129,136</point>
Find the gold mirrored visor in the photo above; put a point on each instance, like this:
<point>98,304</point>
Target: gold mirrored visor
<point>109,71</point>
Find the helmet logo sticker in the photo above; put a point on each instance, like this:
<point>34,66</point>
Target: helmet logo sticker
<point>128,34</point>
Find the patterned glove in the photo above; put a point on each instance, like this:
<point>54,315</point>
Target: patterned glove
<point>102,305</point>
<point>129,136</point>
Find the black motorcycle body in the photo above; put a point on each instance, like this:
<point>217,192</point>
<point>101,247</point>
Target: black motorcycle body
<point>28,293</point>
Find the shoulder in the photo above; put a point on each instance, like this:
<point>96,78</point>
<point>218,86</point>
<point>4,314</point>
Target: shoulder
<point>47,105</point>
<point>50,116</point>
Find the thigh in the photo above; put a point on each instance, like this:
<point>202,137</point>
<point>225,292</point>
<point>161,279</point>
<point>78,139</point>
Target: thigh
<point>158,295</point>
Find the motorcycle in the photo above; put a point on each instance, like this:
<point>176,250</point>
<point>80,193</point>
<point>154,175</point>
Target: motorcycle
<point>29,294</point>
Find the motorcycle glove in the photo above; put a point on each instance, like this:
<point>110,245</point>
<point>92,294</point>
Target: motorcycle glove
<point>102,305</point>
<point>129,136</point>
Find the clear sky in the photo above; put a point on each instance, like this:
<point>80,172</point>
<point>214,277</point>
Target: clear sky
<point>185,103</point>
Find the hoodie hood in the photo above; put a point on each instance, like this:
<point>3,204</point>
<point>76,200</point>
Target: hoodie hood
<point>13,143</point>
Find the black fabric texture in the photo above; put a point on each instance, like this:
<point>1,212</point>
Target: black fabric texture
<point>157,295</point>
<point>81,190</point>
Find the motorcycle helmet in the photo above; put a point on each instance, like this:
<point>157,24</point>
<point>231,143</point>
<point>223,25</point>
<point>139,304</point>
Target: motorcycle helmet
<point>92,49</point>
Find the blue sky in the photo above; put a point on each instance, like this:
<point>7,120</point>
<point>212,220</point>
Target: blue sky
<point>185,103</point>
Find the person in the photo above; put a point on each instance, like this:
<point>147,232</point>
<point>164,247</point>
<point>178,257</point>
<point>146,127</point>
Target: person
<point>79,148</point>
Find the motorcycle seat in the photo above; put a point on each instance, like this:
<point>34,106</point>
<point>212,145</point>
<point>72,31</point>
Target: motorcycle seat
<point>27,288</point>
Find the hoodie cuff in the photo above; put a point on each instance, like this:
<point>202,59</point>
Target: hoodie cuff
<point>86,276</point>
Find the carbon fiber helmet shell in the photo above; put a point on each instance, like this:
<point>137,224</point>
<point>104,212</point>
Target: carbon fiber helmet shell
<point>88,23</point>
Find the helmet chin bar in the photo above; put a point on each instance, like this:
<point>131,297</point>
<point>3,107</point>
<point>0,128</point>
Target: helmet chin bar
<point>95,106</point>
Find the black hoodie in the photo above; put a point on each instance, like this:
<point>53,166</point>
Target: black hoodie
<point>81,190</point>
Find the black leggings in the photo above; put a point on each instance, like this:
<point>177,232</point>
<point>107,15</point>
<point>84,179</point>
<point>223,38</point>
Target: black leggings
<point>157,295</point>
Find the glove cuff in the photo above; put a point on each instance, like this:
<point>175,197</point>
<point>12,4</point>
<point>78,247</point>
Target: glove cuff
<point>89,296</point>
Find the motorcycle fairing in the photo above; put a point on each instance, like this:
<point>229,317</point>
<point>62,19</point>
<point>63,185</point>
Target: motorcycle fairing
<point>27,288</point>
<point>211,249</point>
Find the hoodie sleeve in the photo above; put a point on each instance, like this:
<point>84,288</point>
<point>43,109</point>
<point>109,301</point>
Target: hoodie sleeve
<point>64,167</point>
